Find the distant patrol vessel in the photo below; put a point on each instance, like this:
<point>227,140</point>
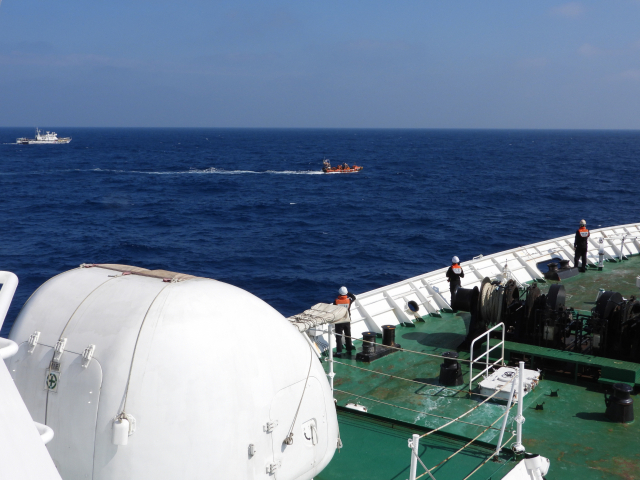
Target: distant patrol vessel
<point>49,137</point>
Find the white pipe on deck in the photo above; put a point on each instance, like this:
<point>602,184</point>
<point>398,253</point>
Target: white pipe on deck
<point>414,456</point>
<point>506,416</point>
<point>331,374</point>
<point>518,447</point>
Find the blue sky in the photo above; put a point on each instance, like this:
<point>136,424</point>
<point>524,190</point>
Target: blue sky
<point>400,64</point>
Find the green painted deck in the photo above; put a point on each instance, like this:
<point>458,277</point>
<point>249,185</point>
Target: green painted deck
<point>377,449</point>
<point>583,288</point>
<point>571,430</point>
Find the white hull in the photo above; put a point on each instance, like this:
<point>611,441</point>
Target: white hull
<point>47,139</point>
<point>46,142</point>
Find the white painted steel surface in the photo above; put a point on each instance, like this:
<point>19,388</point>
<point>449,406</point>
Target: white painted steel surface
<point>414,445</point>
<point>46,433</point>
<point>8,348</point>
<point>192,369</point>
<point>518,447</point>
<point>388,305</point>
<point>23,454</point>
<point>503,378</point>
<point>9,282</point>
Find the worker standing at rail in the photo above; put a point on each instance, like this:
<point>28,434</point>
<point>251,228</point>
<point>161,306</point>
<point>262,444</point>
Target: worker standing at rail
<point>454,274</point>
<point>345,298</point>
<point>580,244</point>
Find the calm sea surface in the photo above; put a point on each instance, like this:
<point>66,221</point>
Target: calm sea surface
<point>249,207</point>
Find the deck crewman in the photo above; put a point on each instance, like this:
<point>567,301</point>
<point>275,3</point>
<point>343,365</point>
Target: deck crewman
<point>454,274</point>
<point>344,298</point>
<point>581,243</point>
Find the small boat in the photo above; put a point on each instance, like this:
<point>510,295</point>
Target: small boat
<point>343,168</point>
<point>48,138</point>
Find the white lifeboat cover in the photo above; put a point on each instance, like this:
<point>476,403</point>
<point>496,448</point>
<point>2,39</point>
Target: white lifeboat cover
<point>206,369</point>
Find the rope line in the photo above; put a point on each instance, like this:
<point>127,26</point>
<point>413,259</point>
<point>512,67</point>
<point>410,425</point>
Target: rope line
<point>469,411</point>
<point>490,457</point>
<point>467,444</point>
<point>400,378</point>
<point>468,360</point>
<point>423,465</point>
<point>410,409</point>
<point>408,379</point>
<point>288,440</point>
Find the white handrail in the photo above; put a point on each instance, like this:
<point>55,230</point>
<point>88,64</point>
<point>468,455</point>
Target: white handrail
<point>485,354</point>
<point>518,447</point>
<point>8,348</point>
<point>46,433</point>
<point>506,415</point>
<point>413,444</point>
<point>9,283</point>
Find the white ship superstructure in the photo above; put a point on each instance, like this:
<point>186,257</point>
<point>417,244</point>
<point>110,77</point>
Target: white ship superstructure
<point>46,138</point>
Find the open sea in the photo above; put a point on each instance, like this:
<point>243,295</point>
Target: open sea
<point>251,207</point>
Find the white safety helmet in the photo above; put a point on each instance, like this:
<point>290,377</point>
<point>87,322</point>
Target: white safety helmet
<point>583,222</point>
<point>343,291</point>
<point>455,260</point>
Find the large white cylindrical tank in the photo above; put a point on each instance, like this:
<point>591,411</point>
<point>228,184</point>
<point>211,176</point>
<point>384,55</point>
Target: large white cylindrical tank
<point>207,377</point>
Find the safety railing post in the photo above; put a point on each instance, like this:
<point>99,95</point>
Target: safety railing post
<point>506,416</point>
<point>414,443</point>
<point>331,374</point>
<point>518,447</point>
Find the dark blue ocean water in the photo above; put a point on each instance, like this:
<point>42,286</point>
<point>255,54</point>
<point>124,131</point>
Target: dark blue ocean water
<point>249,207</point>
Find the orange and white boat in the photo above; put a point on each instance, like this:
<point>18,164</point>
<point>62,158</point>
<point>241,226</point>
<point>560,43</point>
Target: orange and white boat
<point>343,168</point>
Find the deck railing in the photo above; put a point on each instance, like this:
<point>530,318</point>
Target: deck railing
<point>487,362</point>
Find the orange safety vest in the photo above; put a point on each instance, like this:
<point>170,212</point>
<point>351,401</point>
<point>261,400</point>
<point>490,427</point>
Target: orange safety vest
<point>457,269</point>
<point>343,300</point>
<point>584,233</point>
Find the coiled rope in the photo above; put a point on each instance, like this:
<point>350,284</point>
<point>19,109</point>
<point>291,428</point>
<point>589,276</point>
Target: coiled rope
<point>491,299</point>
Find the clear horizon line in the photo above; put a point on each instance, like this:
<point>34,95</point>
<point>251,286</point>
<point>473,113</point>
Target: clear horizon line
<point>335,128</point>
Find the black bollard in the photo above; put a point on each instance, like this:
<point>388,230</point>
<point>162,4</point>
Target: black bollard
<point>620,404</point>
<point>389,336</point>
<point>368,348</point>
<point>450,371</point>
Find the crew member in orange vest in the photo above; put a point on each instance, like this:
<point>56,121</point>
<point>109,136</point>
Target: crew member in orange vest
<point>344,298</point>
<point>454,274</point>
<point>581,243</point>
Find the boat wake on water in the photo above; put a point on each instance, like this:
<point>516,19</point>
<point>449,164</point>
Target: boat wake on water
<point>192,171</point>
<point>213,170</point>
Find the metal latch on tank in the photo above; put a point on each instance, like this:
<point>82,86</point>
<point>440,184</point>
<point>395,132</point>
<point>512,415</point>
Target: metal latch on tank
<point>33,341</point>
<point>272,468</point>
<point>87,355</point>
<point>310,432</point>
<point>270,426</point>
<point>59,350</point>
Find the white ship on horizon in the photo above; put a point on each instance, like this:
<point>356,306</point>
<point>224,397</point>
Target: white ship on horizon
<point>48,138</point>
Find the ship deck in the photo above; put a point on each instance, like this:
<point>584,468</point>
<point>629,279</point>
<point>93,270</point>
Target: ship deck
<point>403,397</point>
